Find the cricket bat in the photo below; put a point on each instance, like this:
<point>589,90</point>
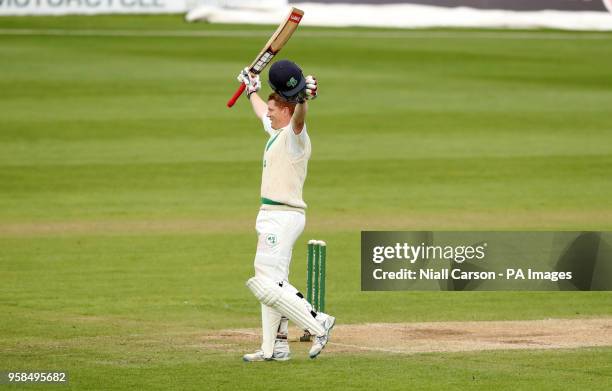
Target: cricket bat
<point>274,45</point>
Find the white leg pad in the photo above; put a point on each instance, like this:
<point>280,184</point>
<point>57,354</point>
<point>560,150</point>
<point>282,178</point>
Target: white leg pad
<point>288,304</point>
<point>283,327</point>
<point>294,291</point>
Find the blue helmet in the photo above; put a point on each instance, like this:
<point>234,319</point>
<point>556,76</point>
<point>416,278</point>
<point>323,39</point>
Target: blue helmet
<point>286,79</point>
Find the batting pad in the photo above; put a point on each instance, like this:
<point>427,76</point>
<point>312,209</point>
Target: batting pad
<point>288,304</point>
<point>283,327</point>
<point>294,291</point>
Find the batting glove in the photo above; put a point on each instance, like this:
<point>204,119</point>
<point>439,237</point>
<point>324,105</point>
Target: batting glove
<point>311,88</point>
<point>250,80</point>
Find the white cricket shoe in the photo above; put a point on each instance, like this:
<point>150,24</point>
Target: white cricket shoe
<point>281,353</point>
<point>328,322</point>
<point>257,356</point>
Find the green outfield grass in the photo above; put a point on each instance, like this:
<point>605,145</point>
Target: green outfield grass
<point>128,193</point>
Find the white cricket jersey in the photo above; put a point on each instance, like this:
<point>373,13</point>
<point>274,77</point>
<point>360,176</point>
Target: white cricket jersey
<point>285,164</point>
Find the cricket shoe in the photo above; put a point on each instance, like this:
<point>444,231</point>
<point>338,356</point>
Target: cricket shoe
<point>281,353</point>
<point>257,356</point>
<point>328,322</point>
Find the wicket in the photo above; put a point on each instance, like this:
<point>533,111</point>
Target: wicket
<point>315,277</point>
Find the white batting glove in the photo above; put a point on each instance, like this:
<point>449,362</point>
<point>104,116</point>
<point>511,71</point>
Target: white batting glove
<point>250,80</point>
<point>311,90</point>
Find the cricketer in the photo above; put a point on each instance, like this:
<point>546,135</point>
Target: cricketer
<point>281,217</point>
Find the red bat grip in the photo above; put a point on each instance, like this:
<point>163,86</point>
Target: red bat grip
<point>236,95</point>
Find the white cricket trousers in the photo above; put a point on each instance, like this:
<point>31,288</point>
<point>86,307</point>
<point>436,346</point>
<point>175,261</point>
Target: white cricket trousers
<point>277,232</point>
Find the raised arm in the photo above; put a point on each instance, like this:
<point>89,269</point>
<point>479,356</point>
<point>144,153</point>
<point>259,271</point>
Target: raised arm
<point>259,106</point>
<point>299,115</point>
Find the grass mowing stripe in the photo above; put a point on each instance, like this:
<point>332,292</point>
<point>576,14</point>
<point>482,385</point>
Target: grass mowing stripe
<point>455,35</point>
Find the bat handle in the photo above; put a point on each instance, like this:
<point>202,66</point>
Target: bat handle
<point>236,95</point>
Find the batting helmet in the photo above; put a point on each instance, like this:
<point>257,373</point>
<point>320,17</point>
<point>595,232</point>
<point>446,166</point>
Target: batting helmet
<point>286,79</point>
